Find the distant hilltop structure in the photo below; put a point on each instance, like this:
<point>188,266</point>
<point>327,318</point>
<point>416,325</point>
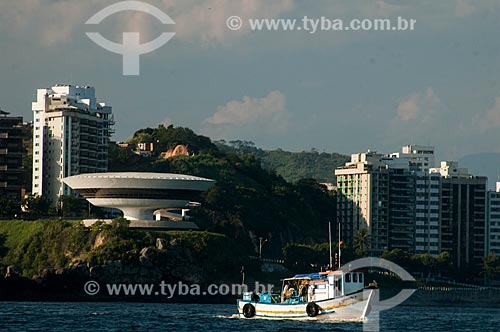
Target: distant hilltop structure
<point>71,132</point>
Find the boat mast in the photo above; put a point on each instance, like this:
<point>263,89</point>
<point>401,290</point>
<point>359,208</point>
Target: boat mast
<point>339,245</point>
<point>330,242</point>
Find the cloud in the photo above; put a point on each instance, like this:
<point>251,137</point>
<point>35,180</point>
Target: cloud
<point>205,21</point>
<point>422,106</point>
<point>490,118</point>
<point>58,19</point>
<point>408,108</point>
<point>196,21</point>
<point>249,118</point>
<point>249,110</point>
<point>464,8</point>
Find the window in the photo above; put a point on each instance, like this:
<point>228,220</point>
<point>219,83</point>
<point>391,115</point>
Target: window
<point>361,277</point>
<point>354,277</point>
<point>347,277</point>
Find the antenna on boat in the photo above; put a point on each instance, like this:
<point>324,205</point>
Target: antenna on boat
<point>340,243</point>
<point>330,242</point>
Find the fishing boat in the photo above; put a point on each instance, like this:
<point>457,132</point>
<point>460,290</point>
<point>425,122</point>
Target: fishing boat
<point>332,295</point>
<point>338,295</point>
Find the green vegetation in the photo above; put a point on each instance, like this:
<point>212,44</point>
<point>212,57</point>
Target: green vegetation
<point>292,166</point>
<point>247,201</point>
<point>310,258</point>
<point>423,263</point>
<point>491,267</point>
<point>55,244</point>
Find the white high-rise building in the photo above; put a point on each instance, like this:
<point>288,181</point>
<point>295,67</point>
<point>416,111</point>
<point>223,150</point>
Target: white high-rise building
<point>71,133</point>
<point>421,156</point>
<point>493,223</point>
<point>427,212</point>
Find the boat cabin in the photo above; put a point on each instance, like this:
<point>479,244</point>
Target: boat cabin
<point>320,286</point>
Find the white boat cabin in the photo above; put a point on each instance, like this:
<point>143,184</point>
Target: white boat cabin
<point>321,286</point>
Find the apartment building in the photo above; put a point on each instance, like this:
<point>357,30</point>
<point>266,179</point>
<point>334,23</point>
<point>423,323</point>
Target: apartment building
<point>11,156</point>
<point>71,133</point>
<point>493,221</point>
<point>462,215</point>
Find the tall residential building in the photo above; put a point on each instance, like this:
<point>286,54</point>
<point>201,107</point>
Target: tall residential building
<point>493,221</point>
<point>377,192</point>
<point>421,156</point>
<point>11,156</point>
<point>71,133</point>
<point>462,215</point>
<point>427,225</point>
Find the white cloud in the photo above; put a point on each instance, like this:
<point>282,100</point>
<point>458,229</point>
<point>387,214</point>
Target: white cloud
<point>205,21</point>
<point>249,110</point>
<point>464,8</point>
<point>490,118</point>
<point>421,106</point>
<point>50,22</point>
<point>196,21</point>
<point>249,118</point>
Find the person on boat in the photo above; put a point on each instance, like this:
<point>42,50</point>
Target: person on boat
<point>303,288</point>
<point>310,293</point>
<point>283,293</point>
<point>290,293</point>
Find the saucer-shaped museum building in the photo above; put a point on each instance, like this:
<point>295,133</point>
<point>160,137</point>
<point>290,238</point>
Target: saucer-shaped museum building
<point>139,194</point>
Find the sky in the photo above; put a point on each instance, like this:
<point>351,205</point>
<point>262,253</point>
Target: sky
<point>335,91</point>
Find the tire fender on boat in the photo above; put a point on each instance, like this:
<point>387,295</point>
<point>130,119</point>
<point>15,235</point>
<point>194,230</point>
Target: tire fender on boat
<point>248,310</point>
<point>312,309</point>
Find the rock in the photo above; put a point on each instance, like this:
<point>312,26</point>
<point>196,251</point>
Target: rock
<point>146,258</point>
<point>161,244</point>
<point>179,150</point>
<point>11,272</point>
<point>99,240</point>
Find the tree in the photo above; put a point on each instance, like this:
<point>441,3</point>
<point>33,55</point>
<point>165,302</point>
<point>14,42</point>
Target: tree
<point>423,263</point>
<point>443,263</point>
<point>9,207</point>
<point>35,206</point>
<point>70,206</point>
<point>491,267</point>
<point>397,256</point>
<point>361,242</point>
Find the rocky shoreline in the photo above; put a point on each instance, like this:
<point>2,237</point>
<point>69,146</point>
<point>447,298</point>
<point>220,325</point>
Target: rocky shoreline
<point>168,262</point>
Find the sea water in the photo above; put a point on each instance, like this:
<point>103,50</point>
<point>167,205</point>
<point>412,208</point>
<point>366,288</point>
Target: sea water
<point>87,316</point>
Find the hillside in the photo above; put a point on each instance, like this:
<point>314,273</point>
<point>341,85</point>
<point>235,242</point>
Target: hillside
<point>292,166</point>
<point>248,200</point>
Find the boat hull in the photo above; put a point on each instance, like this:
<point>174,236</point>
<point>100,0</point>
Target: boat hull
<point>353,307</point>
